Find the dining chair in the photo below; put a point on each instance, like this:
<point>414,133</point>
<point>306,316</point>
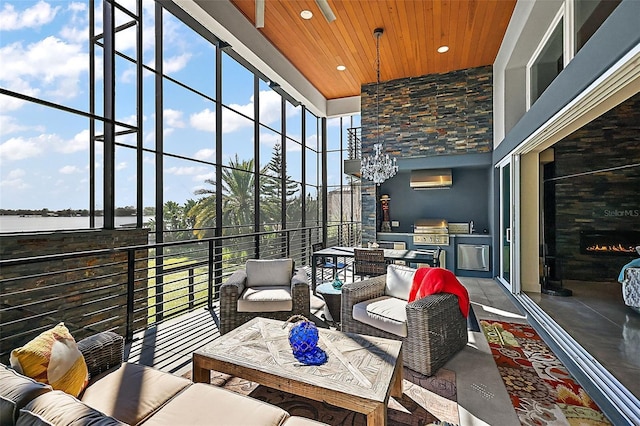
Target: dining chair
<point>327,262</point>
<point>369,263</point>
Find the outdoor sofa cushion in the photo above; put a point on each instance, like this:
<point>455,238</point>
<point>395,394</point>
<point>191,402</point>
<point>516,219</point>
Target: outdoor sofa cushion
<point>235,409</point>
<point>269,272</point>
<point>266,299</point>
<point>385,313</point>
<point>399,281</point>
<point>59,408</point>
<point>132,392</point>
<point>16,391</point>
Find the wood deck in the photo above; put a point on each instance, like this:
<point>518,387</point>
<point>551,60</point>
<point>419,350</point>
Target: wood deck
<point>169,346</point>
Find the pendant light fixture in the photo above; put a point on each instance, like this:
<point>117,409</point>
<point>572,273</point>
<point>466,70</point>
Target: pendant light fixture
<point>379,166</point>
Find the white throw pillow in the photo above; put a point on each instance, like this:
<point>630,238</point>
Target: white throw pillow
<point>399,281</point>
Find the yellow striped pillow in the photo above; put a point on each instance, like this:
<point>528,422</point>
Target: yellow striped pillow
<point>54,358</point>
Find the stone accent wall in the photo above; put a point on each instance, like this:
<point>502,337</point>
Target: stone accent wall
<point>436,114</point>
<point>607,200</point>
<point>88,293</point>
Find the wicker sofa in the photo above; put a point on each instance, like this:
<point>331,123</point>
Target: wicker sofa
<point>123,393</point>
<point>433,331</point>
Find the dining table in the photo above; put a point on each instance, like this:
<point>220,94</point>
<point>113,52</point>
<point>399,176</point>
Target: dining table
<point>413,256</point>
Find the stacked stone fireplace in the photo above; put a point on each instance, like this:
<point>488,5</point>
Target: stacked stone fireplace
<point>597,196</point>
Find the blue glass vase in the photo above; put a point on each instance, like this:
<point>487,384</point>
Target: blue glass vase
<point>303,339</point>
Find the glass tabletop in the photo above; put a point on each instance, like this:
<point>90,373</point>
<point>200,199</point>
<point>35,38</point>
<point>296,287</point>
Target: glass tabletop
<point>327,288</point>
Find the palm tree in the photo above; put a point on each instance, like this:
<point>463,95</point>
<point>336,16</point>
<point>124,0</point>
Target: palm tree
<point>203,211</point>
<point>238,182</point>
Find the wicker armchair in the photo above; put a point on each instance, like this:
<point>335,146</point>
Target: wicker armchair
<point>265,288</point>
<point>435,328</point>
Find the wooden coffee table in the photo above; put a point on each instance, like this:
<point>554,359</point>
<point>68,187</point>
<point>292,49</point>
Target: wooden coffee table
<point>359,375</point>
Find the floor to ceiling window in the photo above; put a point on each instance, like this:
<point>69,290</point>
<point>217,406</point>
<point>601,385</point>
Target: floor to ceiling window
<point>123,114</point>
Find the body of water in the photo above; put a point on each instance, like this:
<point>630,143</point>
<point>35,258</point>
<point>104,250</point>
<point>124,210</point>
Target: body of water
<point>52,223</point>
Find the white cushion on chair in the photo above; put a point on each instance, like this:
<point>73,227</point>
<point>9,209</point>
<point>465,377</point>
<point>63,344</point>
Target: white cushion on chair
<point>269,272</point>
<point>386,313</point>
<point>399,281</point>
<point>266,299</point>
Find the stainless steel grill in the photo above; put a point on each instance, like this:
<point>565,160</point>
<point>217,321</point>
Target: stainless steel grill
<point>431,232</point>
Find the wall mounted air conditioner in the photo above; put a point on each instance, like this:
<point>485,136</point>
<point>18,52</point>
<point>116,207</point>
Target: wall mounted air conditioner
<point>431,179</point>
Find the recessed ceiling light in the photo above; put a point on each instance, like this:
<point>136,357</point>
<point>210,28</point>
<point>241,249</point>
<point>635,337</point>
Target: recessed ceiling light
<point>306,14</point>
<point>341,68</point>
<point>443,49</point>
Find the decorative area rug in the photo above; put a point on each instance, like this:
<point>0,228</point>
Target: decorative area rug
<point>425,401</point>
<point>540,387</point>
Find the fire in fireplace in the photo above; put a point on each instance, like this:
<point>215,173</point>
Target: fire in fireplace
<point>616,242</point>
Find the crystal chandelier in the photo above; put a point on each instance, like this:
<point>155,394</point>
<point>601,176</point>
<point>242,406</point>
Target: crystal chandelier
<point>378,167</point>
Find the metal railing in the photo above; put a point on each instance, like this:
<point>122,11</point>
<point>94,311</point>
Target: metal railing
<point>354,139</point>
<point>129,289</point>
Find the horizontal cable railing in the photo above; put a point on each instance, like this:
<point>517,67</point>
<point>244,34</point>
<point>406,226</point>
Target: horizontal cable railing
<point>354,143</point>
<point>129,289</point>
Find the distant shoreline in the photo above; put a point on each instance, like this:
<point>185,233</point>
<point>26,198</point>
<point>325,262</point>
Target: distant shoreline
<point>34,223</point>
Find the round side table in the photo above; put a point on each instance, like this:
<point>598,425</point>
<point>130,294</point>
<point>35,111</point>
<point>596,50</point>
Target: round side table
<point>332,299</point>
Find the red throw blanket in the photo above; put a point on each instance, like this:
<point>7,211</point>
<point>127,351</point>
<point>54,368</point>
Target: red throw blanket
<point>429,281</point>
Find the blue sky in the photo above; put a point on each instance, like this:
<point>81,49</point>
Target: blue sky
<point>44,52</point>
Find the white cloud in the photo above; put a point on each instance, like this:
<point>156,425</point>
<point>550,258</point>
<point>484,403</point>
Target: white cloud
<point>39,14</point>
<point>293,147</point>
<point>80,142</point>
<point>173,118</point>
<point>129,75</point>
<point>204,176</point>
<point>23,67</point>
<point>270,106</point>
<point>269,139</point>
<point>175,63</point>
<point>78,7</point>
<point>312,141</point>
<point>150,138</point>
<point>15,184</point>
<point>19,149</point>
<point>69,170</point>
<point>9,125</point>
<point>78,29</point>
<point>9,103</point>
<point>205,154</point>
<point>184,171</point>
<point>121,166</point>
<point>16,173</point>
<point>75,34</point>
<point>204,120</point>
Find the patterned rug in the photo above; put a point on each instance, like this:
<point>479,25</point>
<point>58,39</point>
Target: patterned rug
<point>425,401</point>
<point>541,389</point>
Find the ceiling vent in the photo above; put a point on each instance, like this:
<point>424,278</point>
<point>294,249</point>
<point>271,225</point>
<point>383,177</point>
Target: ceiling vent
<point>431,179</point>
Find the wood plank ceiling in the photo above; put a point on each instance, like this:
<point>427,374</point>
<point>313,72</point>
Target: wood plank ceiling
<point>413,31</point>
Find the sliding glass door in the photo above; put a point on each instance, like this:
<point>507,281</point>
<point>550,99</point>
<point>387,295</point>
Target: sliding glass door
<point>509,213</point>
